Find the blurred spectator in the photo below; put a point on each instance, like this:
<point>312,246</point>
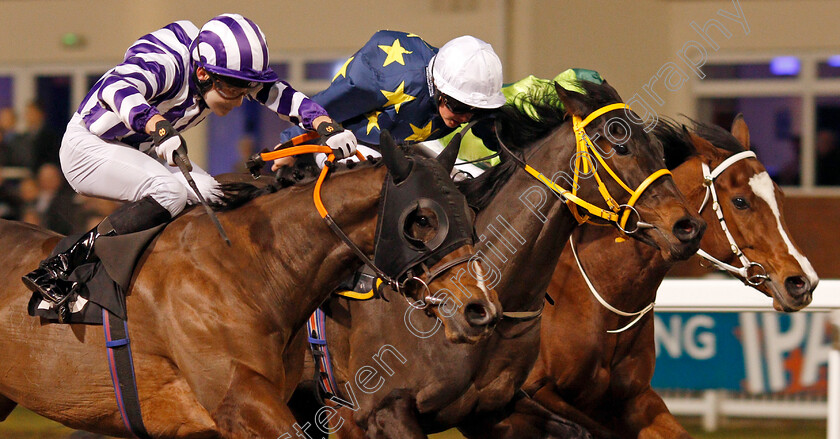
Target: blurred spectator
<point>93,210</point>
<point>789,157</point>
<point>11,206</point>
<point>55,203</point>
<point>13,152</point>
<point>828,158</point>
<point>31,216</point>
<point>28,191</point>
<point>42,140</point>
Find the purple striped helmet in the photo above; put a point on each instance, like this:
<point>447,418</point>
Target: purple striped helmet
<point>233,46</point>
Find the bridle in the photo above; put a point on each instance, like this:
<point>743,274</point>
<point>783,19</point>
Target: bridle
<point>617,213</point>
<point>711,194</point>
<point>760,274</point>
<point>585,149</point>
<point>298,146</point>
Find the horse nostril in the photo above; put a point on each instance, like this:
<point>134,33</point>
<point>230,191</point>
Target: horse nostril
<point>687,229</point>
<point>797,285</point>
<point>477,314</point>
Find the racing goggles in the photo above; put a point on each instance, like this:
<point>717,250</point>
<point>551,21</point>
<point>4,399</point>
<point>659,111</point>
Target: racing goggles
<point>457,107</point>
<point>233,88</point>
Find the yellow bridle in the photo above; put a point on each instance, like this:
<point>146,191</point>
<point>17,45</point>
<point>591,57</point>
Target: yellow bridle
<point>585,149</point>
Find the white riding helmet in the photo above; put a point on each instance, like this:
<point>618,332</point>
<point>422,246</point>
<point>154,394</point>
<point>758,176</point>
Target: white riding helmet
<point>468,70</point>
<point>233,46</point>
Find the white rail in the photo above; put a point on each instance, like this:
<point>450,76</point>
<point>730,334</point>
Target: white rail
<point>727,295</point>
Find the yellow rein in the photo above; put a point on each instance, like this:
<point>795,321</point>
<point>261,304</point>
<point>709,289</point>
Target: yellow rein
<point>585,149</point>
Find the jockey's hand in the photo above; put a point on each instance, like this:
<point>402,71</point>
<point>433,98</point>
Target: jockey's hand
<point>341,141</point>
<point>284,161</point>
<point>167,141</point>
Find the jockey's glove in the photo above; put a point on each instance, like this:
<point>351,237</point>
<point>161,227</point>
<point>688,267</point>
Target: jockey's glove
<point>168,141</point>
<point>341,141</point>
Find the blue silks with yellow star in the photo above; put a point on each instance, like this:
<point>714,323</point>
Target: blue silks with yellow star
<point>383,86</point>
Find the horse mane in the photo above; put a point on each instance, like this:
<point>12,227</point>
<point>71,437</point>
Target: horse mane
<point>676,139</point>
<point>237,194</point>
<point>717,136</point>
<point>676,142</point>
<point>521,128</point>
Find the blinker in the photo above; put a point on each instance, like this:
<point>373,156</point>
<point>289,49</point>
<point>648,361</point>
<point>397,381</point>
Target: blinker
<point>396,252</point>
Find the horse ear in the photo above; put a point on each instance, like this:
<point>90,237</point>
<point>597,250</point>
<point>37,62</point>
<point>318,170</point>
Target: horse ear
<point>396,162</point>
<point>740,131</point>
<point>447,157</point>
<point>573,102</point>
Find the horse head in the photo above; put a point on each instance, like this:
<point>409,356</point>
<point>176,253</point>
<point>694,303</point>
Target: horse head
<point>624,166</point>
<point>425,229</point>
<point>752,241</point>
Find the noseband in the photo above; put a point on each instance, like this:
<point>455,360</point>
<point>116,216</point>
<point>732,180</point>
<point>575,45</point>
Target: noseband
<point>753,273</point>
<point>746,265</point>
<point>617,213</point>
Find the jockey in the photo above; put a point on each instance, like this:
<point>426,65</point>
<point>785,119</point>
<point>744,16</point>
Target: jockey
<point>473,146</point>
<point>169,81</point>
<point>400,83</point>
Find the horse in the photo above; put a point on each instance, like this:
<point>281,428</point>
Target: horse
<point>598,377</point>
<point>210,324</point>
<point>441,385</point>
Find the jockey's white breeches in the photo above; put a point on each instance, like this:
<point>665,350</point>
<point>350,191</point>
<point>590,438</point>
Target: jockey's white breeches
<point>113,170</point>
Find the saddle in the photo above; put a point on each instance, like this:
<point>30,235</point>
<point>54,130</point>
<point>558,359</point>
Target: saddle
<point>102,282</point>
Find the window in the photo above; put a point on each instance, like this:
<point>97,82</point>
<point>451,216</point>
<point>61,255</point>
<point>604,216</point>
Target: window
<point>322,70</point>
<point>53,93</point>
<point>774,122</point>
<point>6,91</point>
<point>792,106</point>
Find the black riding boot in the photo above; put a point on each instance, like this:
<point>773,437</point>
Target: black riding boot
<point>50,279</point>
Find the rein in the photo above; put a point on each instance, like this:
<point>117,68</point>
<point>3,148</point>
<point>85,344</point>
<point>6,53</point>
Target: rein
<point>617,213</point>
<point>604,303</point>
<point>301,148</point>
<point>746,265</point>
<point>296,146</point>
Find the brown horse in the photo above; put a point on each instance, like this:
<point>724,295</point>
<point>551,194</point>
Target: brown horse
<point>210,323</point>
<point>437,384</point>
<point>602,380</point>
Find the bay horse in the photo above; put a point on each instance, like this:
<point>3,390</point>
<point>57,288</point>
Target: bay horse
<point>209,323</point>
<point>599,378</point>
<point>440,385</point>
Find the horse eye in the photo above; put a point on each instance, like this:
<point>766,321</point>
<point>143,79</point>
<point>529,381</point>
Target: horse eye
<point>621,149</point>
<point>423,221</point>
<point>740,203</point>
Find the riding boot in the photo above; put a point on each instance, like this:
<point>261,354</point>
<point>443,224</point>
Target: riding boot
<point>50,279</point>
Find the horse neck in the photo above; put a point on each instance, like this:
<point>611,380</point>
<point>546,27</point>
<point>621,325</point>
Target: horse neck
<point>522,244</point>
<point>626,274</point>
<point>302,259</point>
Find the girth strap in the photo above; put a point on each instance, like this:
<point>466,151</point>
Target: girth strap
<point>316,335</point>
<point>122,373</point>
